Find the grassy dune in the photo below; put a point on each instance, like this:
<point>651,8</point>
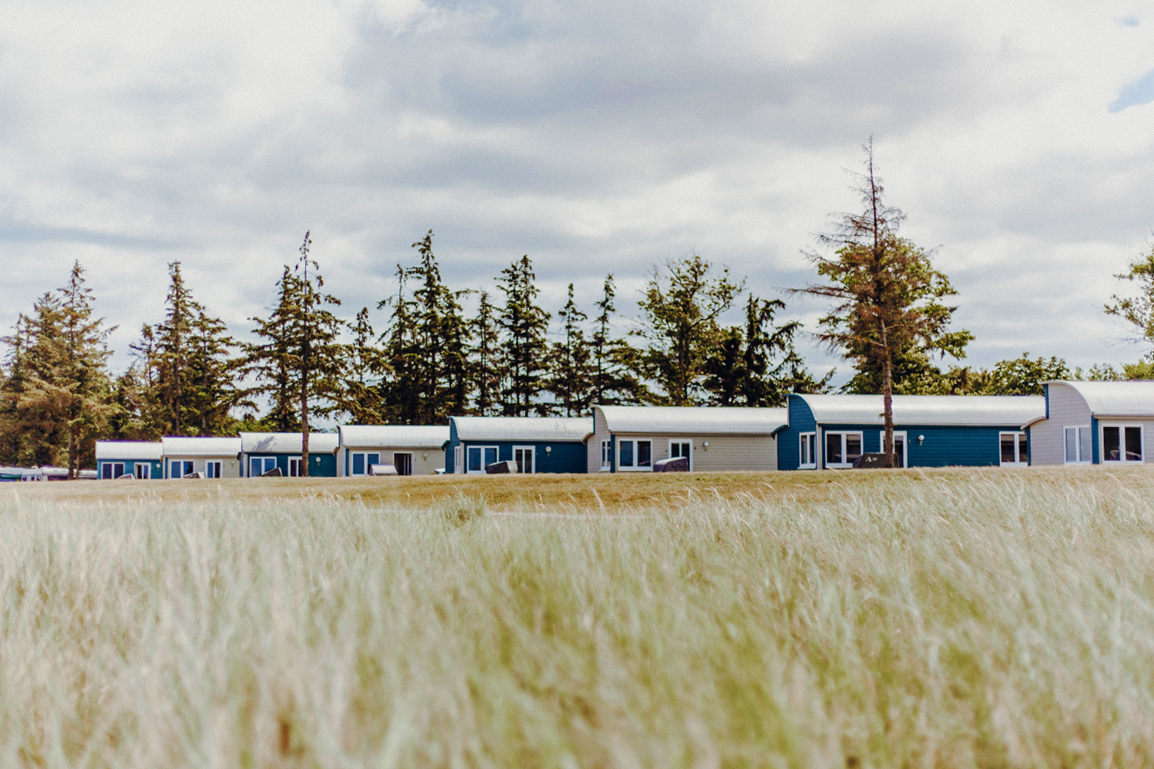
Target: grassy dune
<point>956,618</point>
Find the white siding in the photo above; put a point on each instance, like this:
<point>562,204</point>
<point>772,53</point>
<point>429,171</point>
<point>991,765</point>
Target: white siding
<point>1067,409</point>
<point>229,465</point>
<point>593,445</point>
<point>724,453</point>
<point>426,461</point>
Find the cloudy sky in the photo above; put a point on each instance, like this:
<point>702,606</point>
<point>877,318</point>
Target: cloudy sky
<point>601,136</point>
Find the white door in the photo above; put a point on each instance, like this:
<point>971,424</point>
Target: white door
<point>523,456</point>
<point>681,449</point>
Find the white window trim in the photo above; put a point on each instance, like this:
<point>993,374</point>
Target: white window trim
<point>606,456</point>
<point>365,453</point>
<point>634,468</point>
<point>812,451</point>
<point>1122,440</point>
<point>843,433</point>
<point>669,449</point>
<point>1080,460</point>
<point>905,445</point>
<point>219,468</point>
<point>182,462</point>
<point>113,475</point>
<point>148,471</point>
<point>262,459</point>
<point>532,451</point>
<point>290,466</point>
<point>459,459</point>
<point>412,462</point>
<point>1017,448</point>
<point>495,449</point>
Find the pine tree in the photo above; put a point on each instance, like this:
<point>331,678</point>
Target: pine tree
<point>360,395</point>
<point>570,371</point>
<point>484,364</point>
<point>524,346</point>
<point>402,388</point>
<point>612,359</point>
<point>682,329</point>
<point>270,360</point>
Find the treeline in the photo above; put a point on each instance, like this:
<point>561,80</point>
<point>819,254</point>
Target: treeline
<point>509,356</point>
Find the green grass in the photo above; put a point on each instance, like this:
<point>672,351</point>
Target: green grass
<point>818,619</point>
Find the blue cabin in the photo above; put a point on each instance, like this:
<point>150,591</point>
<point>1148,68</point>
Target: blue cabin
<point>536,444</point>
<point>831,431</point>
<point>263,452</point>
<point>142,460</point>
<point>1091,423</point>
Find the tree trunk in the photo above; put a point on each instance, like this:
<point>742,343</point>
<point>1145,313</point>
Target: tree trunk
<point>887,399</point>
<point>305,424</point>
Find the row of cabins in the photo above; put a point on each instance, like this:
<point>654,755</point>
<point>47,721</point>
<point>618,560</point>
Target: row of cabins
<point>1073,423</point>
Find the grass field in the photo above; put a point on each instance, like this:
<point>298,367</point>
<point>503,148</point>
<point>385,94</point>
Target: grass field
<point>948,618</point>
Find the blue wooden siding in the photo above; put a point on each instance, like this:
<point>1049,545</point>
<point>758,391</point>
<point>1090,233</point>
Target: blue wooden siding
<point>944,446</point>
<point>320,465</point>
<point>130,466</point>
<point>801,420</point>
<point>563,457</point>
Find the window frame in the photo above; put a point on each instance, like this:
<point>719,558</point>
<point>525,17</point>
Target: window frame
<point>264,463</point>
<point>365,462</point>
<point>482,449</point>
<point>191,467</point>
<point>1019,437</point>
<point>297,462</point>
<point>458,459</point>
<point>216,464</point>
<point>606,456</point>
<point>1078,441</point>
<point>1122,427</point>
<point>680,442</point>
<point>147,471</point>
<point>108,470</point>
<point>635,448</point>
<point>826,434</point>
<point>804,439</point>
<point>397,464</point>
<point>532,458</point>
<point>898,435</point>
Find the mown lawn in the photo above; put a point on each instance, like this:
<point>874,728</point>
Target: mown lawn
<point>946,618</point>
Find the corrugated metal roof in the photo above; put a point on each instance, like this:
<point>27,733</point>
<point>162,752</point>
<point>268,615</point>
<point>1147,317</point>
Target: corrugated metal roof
<point>287,443</point>
<point>714,420</point>
<point>180,446</point>
<point>523,428</point>
<point>957,410</point>
<point>1116,399</point>
<point>151,450</point>
<point>404,436</point>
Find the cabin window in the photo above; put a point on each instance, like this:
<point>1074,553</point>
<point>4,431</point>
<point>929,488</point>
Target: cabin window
<point>523,456</point>
<point>1013,449</point>
<point>682,449</point>
<point>258,466</point>
<point>111,470</point>
<point>294,467</point>
<point>359,461</point>
<point>479,457</point>
<point>841,449</point>
<point>900,456</point>
<point>212,469</point>
<point>606,456</point>
<point>143,470</point>
<point>403,462</point>
<point>1078,445</point>
<point>178,468</point>
<point>458,460</point>
<point>1121,443</point>
<point>807,460</point>
<point>634,455</point>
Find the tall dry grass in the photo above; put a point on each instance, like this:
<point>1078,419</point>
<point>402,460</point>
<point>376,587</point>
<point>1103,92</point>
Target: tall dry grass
<point>971,620</point>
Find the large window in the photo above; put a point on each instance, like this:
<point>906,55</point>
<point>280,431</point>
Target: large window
<point>634,455</point>
<point>682,449</point>
<point>258,466</point>
<point>1121,443</point>
<point>178,468</point>
<point>294,465</point>
<point>606,456</point>
<point>1013,449</point>
<point>841,449</point>
<point>808,457</point>
<point>212,468</point>
<point>359,461</point>
<point>111,470</point>
<point>1078,445</point>
<point>901,456</point>
<point>523,456</point>
<point>478,457</point>
<point>143,470</point>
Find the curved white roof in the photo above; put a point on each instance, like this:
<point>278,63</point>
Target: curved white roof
<point>287,443</point>
<point>179,446</point>
<point>951,410</point>
<point>713,420</point>
<point>1115,399</point>
<point>402,436</point>
<point>147,450</point>
<point>523,428</point>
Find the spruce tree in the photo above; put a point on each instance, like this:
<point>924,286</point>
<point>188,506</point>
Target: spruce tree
<point>524,347</point>
<point>402,388</point>
<point>484,363</point>
<point>612,359</point>
<point>570,370</point>
<point>360,395</point>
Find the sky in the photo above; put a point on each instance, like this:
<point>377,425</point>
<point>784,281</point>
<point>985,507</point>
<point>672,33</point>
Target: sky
<point>607,136</point>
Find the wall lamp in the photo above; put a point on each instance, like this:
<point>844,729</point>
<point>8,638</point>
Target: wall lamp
<point>920,439</point>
